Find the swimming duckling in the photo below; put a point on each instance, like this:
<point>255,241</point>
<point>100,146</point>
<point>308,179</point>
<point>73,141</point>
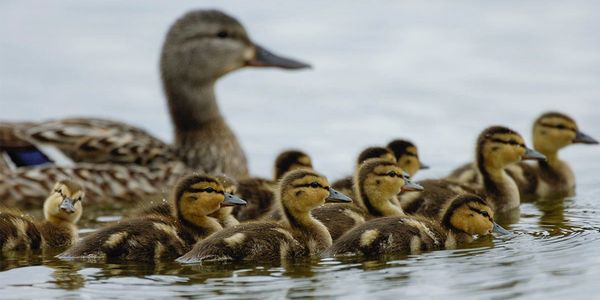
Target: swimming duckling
<point>407,156</point>
<point>222,215</point>
<point>497,147</point>
<point>345,185</point>
<point>260,192</point>
<point>462,218</point>
<point>62,210</point>
<point>153,237</point>
<point>297,235</point>
<point>378,181</point>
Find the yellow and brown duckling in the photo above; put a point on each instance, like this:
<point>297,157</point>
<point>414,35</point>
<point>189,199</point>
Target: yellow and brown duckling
<point>297,235</point>
<point>346,185</point>
<point>462,218</point>
<point>377,182</point>
<point>62,210</point>
<point>157,236</point>
<point>497,148</point>
<point>260,192</point>
<point>407,156</point>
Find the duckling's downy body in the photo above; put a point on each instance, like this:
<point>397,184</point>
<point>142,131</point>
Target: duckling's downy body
<point>497,147</point>
<point>157,236</point>
<point>261,192</point>
<point>551,132</point>
<point>377,182</point>
<point>298,235</point>
<point>465,216</point>
<point>199,48</point>
<point>62,210</point>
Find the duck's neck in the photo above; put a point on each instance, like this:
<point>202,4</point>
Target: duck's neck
<point>378,204</point>
<point>192,107</point>
<point>224,216</point>
<point>498,186</point>
<point>457,238</point>
<point>201,225</point>
<point>304,223</point>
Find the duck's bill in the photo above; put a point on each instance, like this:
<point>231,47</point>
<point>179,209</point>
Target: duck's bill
<point>266,58</point>
<point>335,196</point>
<point>410,186</point>
<point>67,205</point>
<point>423,166</point>
<point>497,229</point>
<point>582,138</point>
<point>231,200</point>
<point>532,154</point>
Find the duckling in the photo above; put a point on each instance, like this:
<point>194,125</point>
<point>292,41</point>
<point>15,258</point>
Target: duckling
<point>297,235</point>
<point>200,47</point>
<point>463,217</point>
<point>345,185</point>
<point>377,182</point>
<point>260,192</point>
<point>154,237</point>
<point>497,147</point>
<point>222,215</point>
<point>62,210</point>
<point>407,156</point>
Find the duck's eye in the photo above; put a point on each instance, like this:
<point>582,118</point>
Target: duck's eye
<point>315,185</point>
<point>392,174</point>
<point>485,214</point>
<point>222,34</point>
<point>209,190</point>
<point>561,126</point>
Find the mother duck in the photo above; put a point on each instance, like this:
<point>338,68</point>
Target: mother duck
<point>199,48</point>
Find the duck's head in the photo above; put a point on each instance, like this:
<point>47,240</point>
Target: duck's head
<point>470,214</point>
<point>230,187</point>
<point>407,156</point>
<point>498,146</point>
<point>375,152</point>
<point>198,195</point>
<point>553,131</point>
<point>204,45</point>
<point>302,190</point>
<point>290,160</point>
<point>381,179</point>
<point>64,202</point>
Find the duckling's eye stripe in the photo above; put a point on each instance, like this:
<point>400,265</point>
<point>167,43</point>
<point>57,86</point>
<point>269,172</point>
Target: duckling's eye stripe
<point>206,190</point>
<point>388,174</point>
<point>481,212</point>
<point>510,142</point>
<point>310,185</point>
<point>559,126</point>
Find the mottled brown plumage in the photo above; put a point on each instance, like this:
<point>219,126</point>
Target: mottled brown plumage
<point>298,235</point>
<point>159,236</point>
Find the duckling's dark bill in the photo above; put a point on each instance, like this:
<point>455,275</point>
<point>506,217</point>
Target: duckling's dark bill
<point>532,154</point>
<point>411,186</point>
<point>67,205</point>
<point>582,138</point>
<point>231,200</point>
<point>265,58</point>
<point>423,166</point>
<point>335,196</point>
<point>497,229</point>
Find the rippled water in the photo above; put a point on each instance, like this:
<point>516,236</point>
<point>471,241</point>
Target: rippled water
<point>436,71</point>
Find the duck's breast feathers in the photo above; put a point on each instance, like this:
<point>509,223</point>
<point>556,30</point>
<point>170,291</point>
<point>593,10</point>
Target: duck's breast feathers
<point>97,141</point>
<point>260,241</point>
<point>135,239</point>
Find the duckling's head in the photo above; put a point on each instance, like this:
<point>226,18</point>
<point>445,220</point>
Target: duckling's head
<point>302,190</point>
<point>553,131</point>
<point>499,146</point>
<point>290,160</point>
<point>407,156</point>
<point>380,179</point>
<point>229,184</point>
<point>469,214</point>
<point>64,202</point>
<point>204,45</point>
<point>375,152</point>
<point>198,195</point>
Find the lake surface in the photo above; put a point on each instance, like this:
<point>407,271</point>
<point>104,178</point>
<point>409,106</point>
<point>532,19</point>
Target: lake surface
<point>437,72</point>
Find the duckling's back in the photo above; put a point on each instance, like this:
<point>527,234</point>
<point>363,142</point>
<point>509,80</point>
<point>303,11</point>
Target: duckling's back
<point>18,232</point>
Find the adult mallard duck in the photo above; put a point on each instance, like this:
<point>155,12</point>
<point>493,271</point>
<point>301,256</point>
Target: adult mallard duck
<point>199,48</point>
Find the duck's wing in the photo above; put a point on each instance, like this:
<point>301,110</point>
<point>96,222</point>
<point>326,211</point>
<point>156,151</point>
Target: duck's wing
<point>104,183</point>
<point>87,140</point>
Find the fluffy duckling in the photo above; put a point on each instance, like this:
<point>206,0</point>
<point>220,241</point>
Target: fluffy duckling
<point>345,185</point>
<point>462,218</point>
<point>260,192</point>
<point>497,147</point>
<point>156,236</point>
<point>378,181</point>
<point>407,156</point>
<point>297,235</point>
<point>62,210</point>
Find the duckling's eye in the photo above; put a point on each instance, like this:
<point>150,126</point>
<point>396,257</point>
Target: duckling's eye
<point>392,174</point>
<point>209,190</point>
<point>485,214</point>
<point>315,185</point>
<point>222,34</point>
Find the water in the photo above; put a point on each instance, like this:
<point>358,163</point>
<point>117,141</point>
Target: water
<point>435,71</point>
